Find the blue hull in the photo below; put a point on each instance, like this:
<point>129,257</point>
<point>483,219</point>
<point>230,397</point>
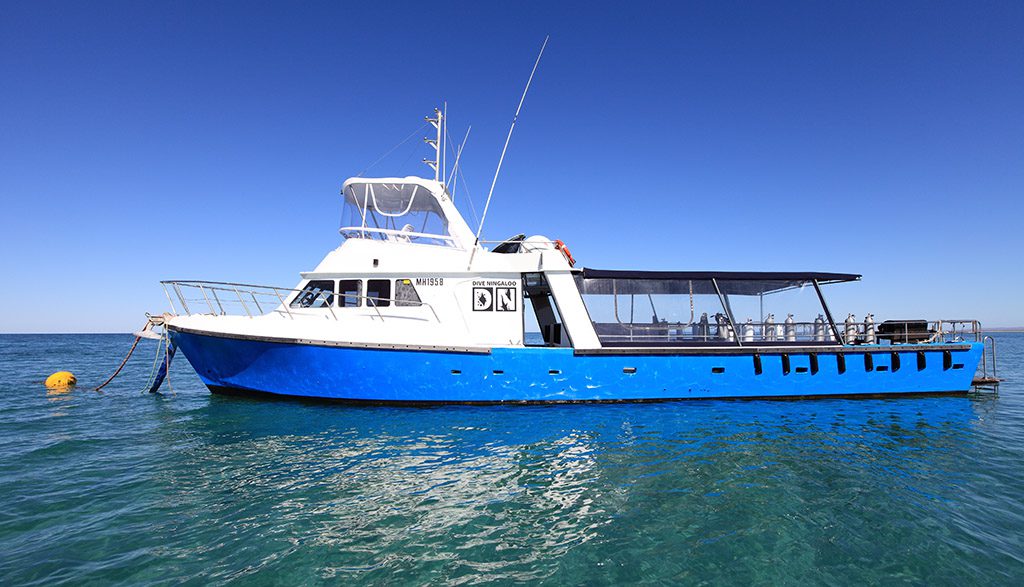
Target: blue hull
<point>561,375</point>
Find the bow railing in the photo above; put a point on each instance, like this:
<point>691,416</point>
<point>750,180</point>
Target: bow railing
<point>222,298</point>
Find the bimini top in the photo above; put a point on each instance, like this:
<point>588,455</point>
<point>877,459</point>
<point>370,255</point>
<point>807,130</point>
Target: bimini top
<point>408,209</point>
<point>750,283</point>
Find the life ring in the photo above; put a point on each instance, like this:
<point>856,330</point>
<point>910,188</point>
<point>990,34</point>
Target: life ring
<point>565,251</point>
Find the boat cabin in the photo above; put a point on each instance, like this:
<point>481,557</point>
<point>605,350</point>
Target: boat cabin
<point>410,269</point>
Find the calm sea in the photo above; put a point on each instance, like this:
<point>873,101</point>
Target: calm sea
<point>125,487</point>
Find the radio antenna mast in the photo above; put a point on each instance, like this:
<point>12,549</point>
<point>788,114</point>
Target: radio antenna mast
<point>437,163</point>
<point>505,148</point>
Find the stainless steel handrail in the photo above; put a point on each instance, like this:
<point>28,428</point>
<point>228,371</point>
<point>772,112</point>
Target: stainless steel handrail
<point>411,236</point>
<point>273,291</point>
<point>991,348</point>
<point>937,330</point>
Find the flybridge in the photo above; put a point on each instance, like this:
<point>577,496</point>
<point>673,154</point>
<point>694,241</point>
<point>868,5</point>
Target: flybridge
<point>409,210</point>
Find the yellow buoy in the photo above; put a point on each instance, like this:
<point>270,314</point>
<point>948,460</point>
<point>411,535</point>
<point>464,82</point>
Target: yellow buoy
<point>61,379</point>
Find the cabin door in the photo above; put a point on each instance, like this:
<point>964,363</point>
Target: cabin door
<point>538,292</point>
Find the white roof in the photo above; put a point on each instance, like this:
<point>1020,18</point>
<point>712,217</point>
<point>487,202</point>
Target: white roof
<point>399,201</point>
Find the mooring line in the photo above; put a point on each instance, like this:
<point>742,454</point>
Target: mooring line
<point>152,369</point>
<point>123,363</point>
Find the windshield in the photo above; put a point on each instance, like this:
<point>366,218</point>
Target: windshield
<point>405,212</point>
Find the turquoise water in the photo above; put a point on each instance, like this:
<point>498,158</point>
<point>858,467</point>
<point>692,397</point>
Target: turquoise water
<point>124,487</point>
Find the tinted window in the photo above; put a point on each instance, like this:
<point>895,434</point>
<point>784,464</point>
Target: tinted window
<point>349,291</point>
<point>405,293</point>
<point>318,293</point>
<point>378,292</point>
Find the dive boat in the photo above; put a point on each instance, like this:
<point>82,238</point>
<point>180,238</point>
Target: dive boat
<point>412,308</point>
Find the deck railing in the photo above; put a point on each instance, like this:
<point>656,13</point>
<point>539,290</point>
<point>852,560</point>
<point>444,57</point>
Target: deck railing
<point>781,332</point>
<point>223,298</point>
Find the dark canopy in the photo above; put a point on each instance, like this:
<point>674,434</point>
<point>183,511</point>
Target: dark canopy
<point>750,283</point>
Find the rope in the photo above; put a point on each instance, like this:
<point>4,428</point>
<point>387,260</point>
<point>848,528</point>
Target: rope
<point>168,355</point>
<point>469,196</point>
<point>121,366</point>
<point>392,150</point>
<point>152,370</point>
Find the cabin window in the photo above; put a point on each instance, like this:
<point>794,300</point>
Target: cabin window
<point>405,293</point>
<point>647,311</point>
<point>349,292</point>
<point>378,292</point>
<point>318,293</point>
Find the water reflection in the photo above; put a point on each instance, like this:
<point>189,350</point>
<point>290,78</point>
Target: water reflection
<point>506,491</point>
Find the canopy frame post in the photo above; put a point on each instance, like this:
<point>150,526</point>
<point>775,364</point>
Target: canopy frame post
<point>828,313</point>
<point>728,312</point>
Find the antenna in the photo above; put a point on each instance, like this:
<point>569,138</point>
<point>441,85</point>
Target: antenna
<point>505,148</point>
<point>453,178</point>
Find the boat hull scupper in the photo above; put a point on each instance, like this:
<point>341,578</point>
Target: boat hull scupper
<point>240,364</point>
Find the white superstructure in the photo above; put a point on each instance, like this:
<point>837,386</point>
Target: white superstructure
<point>409,272</point>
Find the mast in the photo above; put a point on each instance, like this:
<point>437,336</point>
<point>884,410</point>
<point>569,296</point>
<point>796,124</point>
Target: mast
<point>437,164</point>
<point>443,131</point>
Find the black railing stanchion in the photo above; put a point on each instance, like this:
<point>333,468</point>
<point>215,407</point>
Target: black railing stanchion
<point>828,313</point>
<point>728,312</point>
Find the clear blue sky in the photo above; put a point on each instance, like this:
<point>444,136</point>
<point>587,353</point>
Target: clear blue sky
<point>142,141</point>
